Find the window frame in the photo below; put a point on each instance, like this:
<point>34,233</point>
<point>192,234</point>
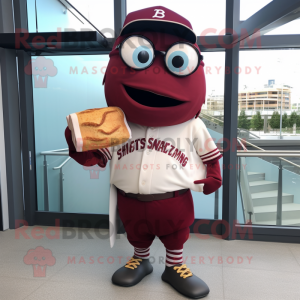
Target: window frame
<point>270,14</point>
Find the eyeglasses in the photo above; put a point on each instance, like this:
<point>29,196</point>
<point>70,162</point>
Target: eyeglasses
<point>138,52</point>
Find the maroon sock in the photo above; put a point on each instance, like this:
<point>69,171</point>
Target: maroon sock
<point>143,253</point>
<point>174,257</point>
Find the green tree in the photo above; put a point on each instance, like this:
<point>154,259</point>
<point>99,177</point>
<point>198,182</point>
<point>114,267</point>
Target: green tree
<point>243,121</point>
<point>285,120</point>
<point>298,121</point>
<point>257,122</point>
<point>293,119</point>
<point>275,120</point>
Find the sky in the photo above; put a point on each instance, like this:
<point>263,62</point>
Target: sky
<point>281,65</point>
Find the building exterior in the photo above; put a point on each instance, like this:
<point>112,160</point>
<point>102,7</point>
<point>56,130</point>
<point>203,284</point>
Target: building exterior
<point>296,105</point>
<point>215,103</point>
<point>268,98</point>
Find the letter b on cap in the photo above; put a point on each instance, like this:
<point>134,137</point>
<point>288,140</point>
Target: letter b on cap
<point>159,13</point>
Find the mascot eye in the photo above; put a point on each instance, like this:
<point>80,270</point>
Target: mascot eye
<point>137,52</point>
<point>182,59</point>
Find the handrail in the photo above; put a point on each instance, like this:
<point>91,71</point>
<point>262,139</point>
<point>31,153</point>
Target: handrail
<point>249,132</point>
<point>245,188</point>
<point>280,182</point>
<point>252,145</point>
<point>59,152</point>
<point>246,194</point>
<point>263,154</point>
<point>222,122</point>
<point>59,167</point>
<point>274,151</point>
<point>51,151</point>
<point>204,114</point>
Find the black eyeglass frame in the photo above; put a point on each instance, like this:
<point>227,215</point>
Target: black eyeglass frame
<point>200,57</point>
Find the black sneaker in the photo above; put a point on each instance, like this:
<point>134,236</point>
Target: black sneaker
<point>185,282</point>
<point>132,273</point>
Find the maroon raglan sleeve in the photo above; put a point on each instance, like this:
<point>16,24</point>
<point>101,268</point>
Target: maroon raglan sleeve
<point>210,155</point>
<point>87,158</point>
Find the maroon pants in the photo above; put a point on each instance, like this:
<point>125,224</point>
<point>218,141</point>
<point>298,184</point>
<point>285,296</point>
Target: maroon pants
<point>168,219</point>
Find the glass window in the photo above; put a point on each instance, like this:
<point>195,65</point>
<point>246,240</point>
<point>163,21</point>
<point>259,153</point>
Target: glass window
<point>206,17</point>
<point>50,16</point>
<point>99,12</point>
<point>212,114</point>
<point>75,86</point>
<point>249,8</point>
<point>274,72</point>
<point>69,84</point>
<point>292,27</point>
<point>258,196</point>
<point>31,15</point>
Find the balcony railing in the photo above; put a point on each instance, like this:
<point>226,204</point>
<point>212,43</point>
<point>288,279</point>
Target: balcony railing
<point>59,152</point>
<point>247,201</point>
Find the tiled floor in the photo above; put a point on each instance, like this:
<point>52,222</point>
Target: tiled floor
<point>235,270</point>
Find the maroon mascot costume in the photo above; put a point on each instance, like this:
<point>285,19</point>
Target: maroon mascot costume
<point>155,75</point>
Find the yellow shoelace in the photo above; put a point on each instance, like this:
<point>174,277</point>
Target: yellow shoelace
<point>184,270</point>
<point>133,263</point>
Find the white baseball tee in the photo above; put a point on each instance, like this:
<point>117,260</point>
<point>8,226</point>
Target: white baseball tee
<point>158,160</point>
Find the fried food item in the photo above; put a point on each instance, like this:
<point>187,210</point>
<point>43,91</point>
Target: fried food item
<point>98,128</point>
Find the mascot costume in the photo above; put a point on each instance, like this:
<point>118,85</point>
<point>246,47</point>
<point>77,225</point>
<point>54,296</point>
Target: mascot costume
<point>155,77</point>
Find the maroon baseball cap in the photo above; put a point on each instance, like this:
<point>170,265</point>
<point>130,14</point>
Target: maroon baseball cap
<point>161,19</point>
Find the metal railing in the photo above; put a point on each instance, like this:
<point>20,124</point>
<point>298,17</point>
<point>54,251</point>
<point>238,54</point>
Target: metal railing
<point>240,130</point>
<point>246,196</point>
<point>245,190</point>
<point>211,118</point>
<point>221,123</point>
<point>247,202</point>
<point>247,199</point>
<point>59,152</point>
<point>65,152</point>
<point>276,152</point>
